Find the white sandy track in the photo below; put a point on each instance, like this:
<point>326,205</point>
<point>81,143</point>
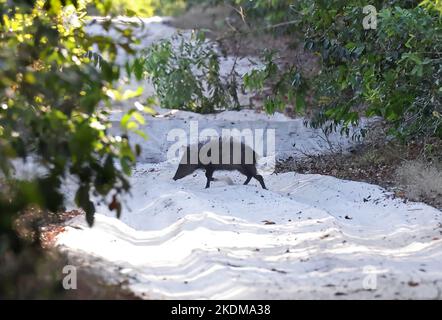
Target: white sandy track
<point>330,239</point>
<point>292,137</point>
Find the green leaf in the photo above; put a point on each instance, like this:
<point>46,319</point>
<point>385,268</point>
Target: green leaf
<point>139,117</point>
<point>126,165</point>
<point>82,199</point>
<point>141,134</point>
<point>300,102</point>
<point>130,13</point>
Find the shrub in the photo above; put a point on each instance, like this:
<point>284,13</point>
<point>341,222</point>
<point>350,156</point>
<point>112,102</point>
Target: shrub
<point>144,8</point>
<point>54,110</point>
<point>186,75</point>
<point>393,71</point>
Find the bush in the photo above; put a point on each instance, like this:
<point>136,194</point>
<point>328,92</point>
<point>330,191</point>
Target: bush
<point>144,8</point>
<point>54,111</point>
<point>393,71</point>
<point>186,75</point>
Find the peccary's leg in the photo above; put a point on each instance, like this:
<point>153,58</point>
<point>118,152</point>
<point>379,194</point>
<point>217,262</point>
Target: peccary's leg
<point>261,180</point>
<point>209,173</point>
<point>249,171</point>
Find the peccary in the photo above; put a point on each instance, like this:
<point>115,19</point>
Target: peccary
<point>228,154</point>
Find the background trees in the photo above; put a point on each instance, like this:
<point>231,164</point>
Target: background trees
<point>392,71</point>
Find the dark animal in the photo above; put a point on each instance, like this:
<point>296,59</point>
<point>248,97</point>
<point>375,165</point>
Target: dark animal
<point>241,157</point>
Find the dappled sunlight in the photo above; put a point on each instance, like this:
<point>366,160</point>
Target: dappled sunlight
<point>99,99</point>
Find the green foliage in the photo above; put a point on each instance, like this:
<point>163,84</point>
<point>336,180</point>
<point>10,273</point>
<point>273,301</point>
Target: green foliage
<point>137,7</point>
<point>286,87</point>
<point>265,12</point>
<point>186,75</point>
<point>146,8</point>
<point>54,108</point>
<point>432,5</point>
<point>393,71</point>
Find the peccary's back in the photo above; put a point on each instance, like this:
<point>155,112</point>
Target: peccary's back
<point>224,154</point>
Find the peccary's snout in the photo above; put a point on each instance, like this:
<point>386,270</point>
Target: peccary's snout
<point>178,174</point>
<point>184,170</point>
